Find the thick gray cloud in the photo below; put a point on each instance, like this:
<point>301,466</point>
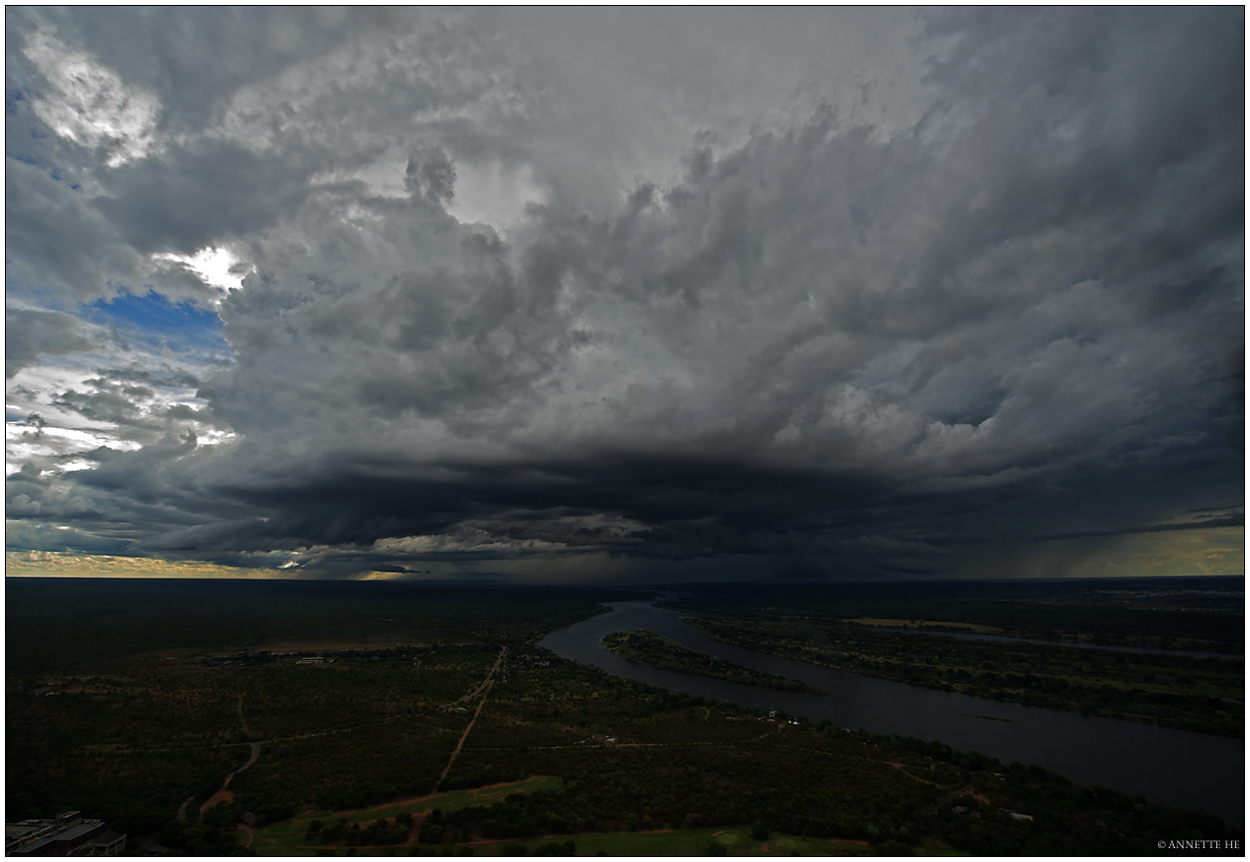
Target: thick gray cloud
<point>859,317</point>
<point>28,334</point>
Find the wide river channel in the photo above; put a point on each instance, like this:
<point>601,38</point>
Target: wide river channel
<point>1177,767</point>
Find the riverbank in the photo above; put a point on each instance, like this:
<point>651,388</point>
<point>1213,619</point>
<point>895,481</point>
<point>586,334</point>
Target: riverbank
<point>1176,767</point>
<point>649,648</point>
<point>1171,691</point>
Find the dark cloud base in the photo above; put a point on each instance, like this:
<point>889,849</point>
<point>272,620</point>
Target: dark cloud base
<point>999,312</point>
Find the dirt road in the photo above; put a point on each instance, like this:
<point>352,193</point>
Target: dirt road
<point>484,690</point>
<point>223,794</point>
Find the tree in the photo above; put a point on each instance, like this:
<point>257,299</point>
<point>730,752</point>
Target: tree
<point>759,831</point>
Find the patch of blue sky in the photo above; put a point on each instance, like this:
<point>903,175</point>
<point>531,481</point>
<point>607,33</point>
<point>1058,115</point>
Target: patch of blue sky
<point>35,160</point>
<point>51,170</point>
<point>15,102</point>
<point>12,96</point>
<point>152,320</point>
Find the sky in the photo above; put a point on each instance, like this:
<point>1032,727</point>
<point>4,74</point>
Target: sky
<point>628,296</point>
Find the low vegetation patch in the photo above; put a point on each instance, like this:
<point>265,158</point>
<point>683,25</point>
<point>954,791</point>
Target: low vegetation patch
<point>645,647</point>
<point>932,625</point>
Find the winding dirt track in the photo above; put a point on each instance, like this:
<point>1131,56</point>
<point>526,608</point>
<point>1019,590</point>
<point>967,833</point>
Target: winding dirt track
<point>483,689</point>
<point>224,794</point>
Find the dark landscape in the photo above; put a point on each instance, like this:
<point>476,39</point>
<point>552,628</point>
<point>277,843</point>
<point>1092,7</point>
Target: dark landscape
<point>636,430</point>
<point>131,701</point>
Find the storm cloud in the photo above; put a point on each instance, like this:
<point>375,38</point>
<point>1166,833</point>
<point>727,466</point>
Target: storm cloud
<point>657,294</point>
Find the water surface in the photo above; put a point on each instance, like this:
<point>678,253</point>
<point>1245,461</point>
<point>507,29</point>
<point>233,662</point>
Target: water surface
<point>1177,767</point>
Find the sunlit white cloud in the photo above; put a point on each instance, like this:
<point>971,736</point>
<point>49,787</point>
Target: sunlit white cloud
<point>27,442</point>
<point>89,104</point>
<point>216,266</point>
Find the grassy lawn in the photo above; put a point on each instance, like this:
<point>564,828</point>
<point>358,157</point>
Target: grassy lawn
<point>287,838</point>
<point>921,624</point>
<point>695,842</point>
<point>934,847</point>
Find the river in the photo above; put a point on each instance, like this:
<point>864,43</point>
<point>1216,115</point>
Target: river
<point>1176,767</point>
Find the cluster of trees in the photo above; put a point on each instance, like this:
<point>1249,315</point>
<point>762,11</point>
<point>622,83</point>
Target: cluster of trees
<point>136,793</point>
<point>146,705</point>
<point>473,779</point>
<point>343,771</point>
<point>552,848</point>
<point>557,703</point>
<point>656,650</point>
<point>223,815</point>
<point>379,832</point>
<point>191,839</point>
<point>517,817</point>
<point>282,699</point>
<point>415,850</point>
<point>693,787</point>
<point>507,820</point>
<point>1173,691</point>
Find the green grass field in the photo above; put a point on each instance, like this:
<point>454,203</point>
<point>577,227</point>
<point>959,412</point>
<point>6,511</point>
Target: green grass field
<point>287,838</point>
<point>738,842</point>
<point>695,842</point>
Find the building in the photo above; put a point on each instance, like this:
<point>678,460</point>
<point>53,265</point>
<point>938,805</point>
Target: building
<point>67,835</point>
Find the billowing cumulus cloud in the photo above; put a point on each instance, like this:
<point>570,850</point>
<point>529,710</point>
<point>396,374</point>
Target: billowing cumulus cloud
<point>29,334</point>
<point>971,284</point>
